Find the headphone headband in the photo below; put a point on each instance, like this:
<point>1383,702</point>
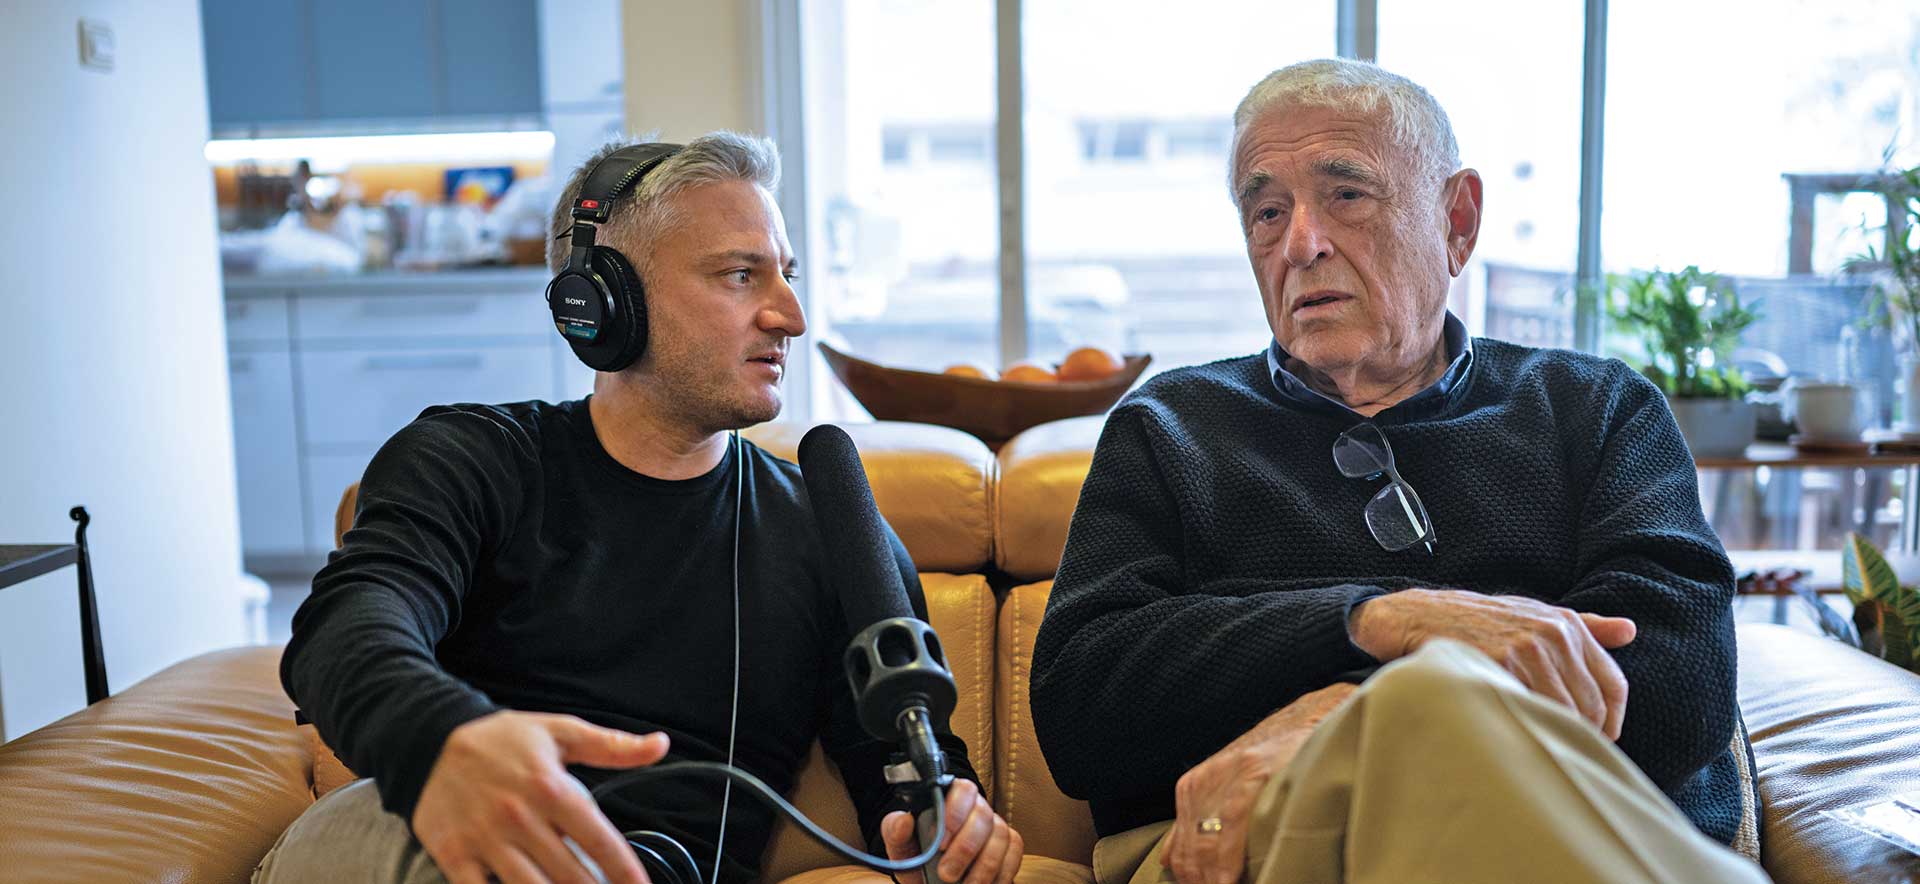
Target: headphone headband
<point>609,179</point>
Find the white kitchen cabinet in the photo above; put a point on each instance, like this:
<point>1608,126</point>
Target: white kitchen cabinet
<point>266,452</point>
<point>356,398</point>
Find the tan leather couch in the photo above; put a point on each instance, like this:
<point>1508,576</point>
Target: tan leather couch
<point>190,775</point>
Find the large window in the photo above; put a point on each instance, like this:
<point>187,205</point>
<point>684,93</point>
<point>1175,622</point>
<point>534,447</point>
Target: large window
<point>1701,134</point>
<point>1715,119</point>
<point>1515,109</point>
<point>900,174</point>
<point>1707,140</point>
<point>1132,242</point>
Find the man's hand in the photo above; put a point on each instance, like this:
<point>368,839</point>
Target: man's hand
<point>1558,653</point>
<point>979,845</point>
<point>1223,788</point>
<point>499,799</point>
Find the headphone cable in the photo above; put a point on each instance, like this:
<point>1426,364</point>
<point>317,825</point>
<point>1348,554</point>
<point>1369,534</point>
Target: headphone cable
<point>733,718</point>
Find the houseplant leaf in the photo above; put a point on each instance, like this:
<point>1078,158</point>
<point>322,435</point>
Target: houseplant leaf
<point>1904,616</point>
<point>1897,635</point>
<point>1865,573</point>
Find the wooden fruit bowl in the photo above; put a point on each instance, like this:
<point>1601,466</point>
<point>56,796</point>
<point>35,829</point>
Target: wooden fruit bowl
<point>995,411</point>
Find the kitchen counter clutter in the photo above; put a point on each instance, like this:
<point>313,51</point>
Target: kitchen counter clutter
<point>324,369</point>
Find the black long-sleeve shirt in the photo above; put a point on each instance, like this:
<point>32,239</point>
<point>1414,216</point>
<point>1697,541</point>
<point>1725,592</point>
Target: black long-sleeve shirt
<point>1217,552</point>
<point>501,558</point>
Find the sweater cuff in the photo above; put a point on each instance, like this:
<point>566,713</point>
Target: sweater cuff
<point>1353,659</point>
<point>417,748</point>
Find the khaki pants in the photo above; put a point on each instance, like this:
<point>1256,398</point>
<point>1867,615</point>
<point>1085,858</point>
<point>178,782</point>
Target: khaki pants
<point>347,836</point>
<point>1443,767</point>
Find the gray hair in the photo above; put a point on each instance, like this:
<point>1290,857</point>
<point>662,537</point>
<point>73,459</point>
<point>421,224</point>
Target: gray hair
<point>1414,119</point>
<point>638,217</point>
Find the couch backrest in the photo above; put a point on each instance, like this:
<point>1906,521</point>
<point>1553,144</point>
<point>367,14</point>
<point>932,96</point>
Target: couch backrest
<point>933,484</point>
<point>1039,484</point>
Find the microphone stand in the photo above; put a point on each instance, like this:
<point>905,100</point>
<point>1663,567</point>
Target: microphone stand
<point>923,778</point>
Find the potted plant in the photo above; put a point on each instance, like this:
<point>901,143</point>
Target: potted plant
<point>1688,322</point>
<point>1886,613</point>
<point>1895,302</point>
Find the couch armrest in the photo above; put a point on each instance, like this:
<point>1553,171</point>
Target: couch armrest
<point>189,775</point>
<point>1831,728</point>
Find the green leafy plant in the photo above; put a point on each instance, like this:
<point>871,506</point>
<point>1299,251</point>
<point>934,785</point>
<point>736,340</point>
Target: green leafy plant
<point>1880,604</point>
<point>1895,302</point>
<point>1688,321</point>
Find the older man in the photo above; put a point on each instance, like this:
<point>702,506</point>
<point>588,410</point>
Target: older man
<point>1551,609</point>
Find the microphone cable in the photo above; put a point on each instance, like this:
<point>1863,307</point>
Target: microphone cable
<point>758,788</point>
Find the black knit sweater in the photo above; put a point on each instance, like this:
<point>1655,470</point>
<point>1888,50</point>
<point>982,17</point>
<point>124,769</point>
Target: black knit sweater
<point>1216,553</point>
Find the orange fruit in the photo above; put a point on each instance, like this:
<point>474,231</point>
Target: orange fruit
<point>1088,364</point>
<point>968,370</point>
<point>1027,373</point>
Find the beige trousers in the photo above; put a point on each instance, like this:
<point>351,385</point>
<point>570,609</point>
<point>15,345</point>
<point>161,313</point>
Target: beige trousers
<point>1443,767</point>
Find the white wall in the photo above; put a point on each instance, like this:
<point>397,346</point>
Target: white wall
<point>113,377</point>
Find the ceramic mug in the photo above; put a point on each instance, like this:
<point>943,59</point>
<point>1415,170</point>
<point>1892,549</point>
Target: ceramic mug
<point>1825,410</point>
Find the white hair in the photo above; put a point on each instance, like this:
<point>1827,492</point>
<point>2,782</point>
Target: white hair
<point>637,218</point>
<point>1414,119</point>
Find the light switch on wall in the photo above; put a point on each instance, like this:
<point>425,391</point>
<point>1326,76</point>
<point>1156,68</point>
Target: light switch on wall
<point>96,44</point>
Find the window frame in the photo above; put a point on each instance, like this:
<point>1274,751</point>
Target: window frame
<point>781,90</point>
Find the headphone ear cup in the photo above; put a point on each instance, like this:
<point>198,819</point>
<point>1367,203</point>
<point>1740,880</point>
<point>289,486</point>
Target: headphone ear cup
<point>625,332</point>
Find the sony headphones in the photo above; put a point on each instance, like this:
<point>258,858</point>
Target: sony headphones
<point>597,301</point>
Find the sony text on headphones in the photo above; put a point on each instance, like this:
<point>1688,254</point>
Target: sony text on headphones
<point>597,301</point>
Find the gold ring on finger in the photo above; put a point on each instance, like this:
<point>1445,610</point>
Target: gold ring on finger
<point>1211,826</point>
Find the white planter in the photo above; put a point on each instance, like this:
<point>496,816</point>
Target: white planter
<point>1909,393</point>
<point>1715,427</point>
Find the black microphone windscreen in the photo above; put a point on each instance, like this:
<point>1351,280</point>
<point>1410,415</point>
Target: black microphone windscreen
<point>860,564</point>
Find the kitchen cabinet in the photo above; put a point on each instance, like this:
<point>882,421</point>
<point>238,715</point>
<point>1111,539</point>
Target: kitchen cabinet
<point>492,58</point>
<point>355,399</point>
<point>279,64</point>
<point>260,372</point>
<point>324,371</point>
<point>375,59</point>
<point>257,60</point>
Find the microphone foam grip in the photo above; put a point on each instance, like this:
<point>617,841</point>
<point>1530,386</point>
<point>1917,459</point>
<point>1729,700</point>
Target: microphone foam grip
<point>859,560</point>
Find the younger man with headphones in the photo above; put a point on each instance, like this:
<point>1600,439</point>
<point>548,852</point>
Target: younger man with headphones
<point>531,586</point>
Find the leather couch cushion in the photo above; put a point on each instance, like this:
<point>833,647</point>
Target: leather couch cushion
<point>1053,824</point>
<point>962,610</point>
<point>1831,728</point>
<point>329,772</point>
<point>933,484</point>
<point>189,775</point>
<point>1040,475</point>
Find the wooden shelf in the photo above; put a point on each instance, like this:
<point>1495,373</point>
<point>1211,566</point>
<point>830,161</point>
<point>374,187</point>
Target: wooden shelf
<point>1780,455</point>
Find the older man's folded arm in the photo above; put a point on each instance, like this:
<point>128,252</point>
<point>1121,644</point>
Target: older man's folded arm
<point>1118,678</point>
<point>1647,553</point>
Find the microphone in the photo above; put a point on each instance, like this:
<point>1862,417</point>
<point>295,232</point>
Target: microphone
<point>901,685</point>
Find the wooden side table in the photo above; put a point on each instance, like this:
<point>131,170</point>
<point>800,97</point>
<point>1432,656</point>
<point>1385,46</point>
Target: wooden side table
<point>1779,456</point>
<point>19,563</point>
